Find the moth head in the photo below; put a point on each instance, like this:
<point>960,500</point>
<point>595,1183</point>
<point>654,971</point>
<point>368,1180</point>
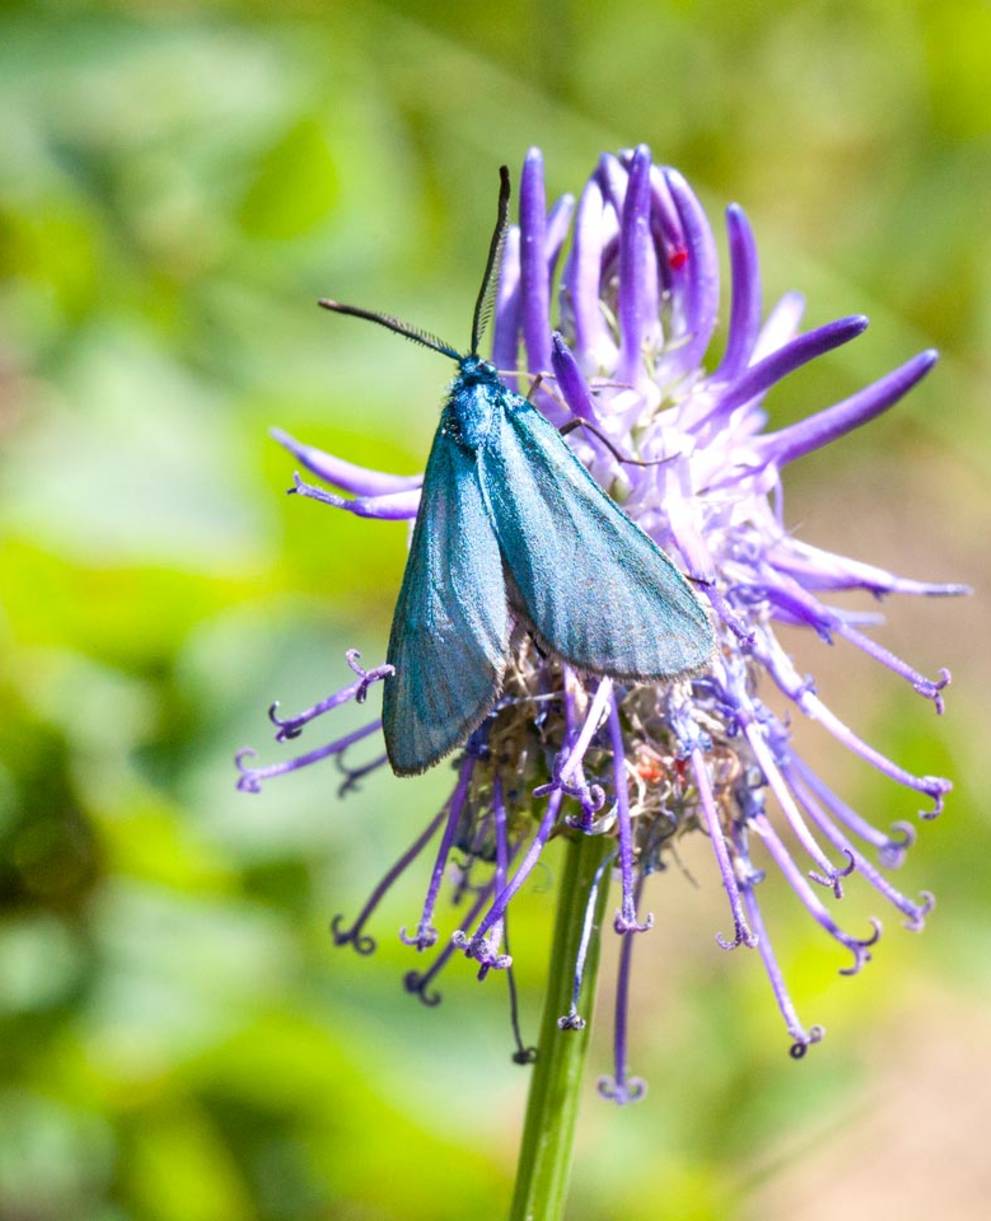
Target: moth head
<point>475,371</point>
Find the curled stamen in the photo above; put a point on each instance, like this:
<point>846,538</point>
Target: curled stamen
<point>567,774</point>
<point>354,775</point>
<point>363,943</point>
<point>480,949</point>
<point>623,1088</point>
<point>928,688</point>
<point>779,666</point>
<point>834,881</point>
<point>591,796</point>
<point>633,1089</point>
<point>355,935</point>
<point>251,778</point>
<point>423,938</point>
<point>915,924</point>
<point>366,677</point>
<point>915,913</point>
<point>478,945</point>
<point>742,933</point>
<point>626,924</point>
<point>426,935</point>
<point>893,850</point>
<point>858,946</point>
<point>416,983</point>
<point>522,1054</point>
<point>752,878</point>
<point>626,918</point>
<point>801,1046</point>
<point>573,1020</point>
<point>499,929</point>
<point>292,727</point>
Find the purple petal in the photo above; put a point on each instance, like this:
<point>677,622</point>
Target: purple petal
<point>700,274</point>
<point>581,283</point>
<point>572,385</point>
<point>637,274</point>
<point>534,283</point>
<point>612,178</point>
<point>781,326</point>
<point>825,426</point>
<point>745,309</point>
<point>558,224</point>
<point>819,569</point>
<point>391,506</point>
<point>759,378</point>
<point>357,479</point>
<point>506,328</point>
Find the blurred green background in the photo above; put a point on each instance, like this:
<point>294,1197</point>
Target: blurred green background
<point>178,183</point>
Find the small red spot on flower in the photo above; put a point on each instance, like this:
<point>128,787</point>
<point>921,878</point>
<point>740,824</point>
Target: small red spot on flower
<point>681,767</point>
<point>650,770</point>
<point>677,258</point>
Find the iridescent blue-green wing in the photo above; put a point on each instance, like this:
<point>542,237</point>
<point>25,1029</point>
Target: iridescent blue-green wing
<point>598,591</point>
<point>450,631</point>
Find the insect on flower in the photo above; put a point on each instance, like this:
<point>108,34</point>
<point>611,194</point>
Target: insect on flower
<point>543,626</point>
<point>510,523</point>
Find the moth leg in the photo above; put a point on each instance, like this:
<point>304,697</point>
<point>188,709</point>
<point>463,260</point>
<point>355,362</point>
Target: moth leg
<point>723,609</point>
<point>596,383</point>
<point>534,387</point>
<point>390,506</point>
<point>617,453</point>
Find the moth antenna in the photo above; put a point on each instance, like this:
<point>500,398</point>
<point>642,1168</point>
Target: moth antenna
<point>415,333</point>
<point>486,294</point>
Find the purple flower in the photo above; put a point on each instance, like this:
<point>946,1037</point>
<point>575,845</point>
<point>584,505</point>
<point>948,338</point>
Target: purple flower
<point>645,764</point>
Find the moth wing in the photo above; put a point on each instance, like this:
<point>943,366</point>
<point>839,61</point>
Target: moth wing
<point>450,630</point>
<point>598,591</point>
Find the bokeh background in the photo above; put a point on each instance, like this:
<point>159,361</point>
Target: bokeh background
<point>180,1041</point>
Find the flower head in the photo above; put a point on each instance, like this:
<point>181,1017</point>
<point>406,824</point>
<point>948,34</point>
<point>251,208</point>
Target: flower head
<point>691,457</point>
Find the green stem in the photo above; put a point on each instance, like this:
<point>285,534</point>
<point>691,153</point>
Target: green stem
<point>552,1108</point>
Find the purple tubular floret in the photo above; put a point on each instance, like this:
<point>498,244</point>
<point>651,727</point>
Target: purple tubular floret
<point>534,280</point>
<point>759,378</point>
<point>745,306</point>
<point>358,480</point>
<point>826,426</point>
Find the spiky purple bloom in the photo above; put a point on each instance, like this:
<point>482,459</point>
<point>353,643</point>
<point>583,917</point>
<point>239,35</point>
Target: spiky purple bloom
<point>641,763</point>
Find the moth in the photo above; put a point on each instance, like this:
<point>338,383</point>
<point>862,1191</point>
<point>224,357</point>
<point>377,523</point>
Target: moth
<point>511,528</point>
